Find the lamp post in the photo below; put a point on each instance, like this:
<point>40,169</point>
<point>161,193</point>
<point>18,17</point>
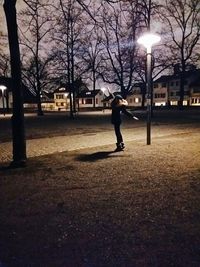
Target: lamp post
<point>148,40</point>
<point>3,88</point>
<point>103,89</point>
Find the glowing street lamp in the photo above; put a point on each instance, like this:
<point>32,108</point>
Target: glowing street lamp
<point>103,89</point>
<point>148,40</point>
<point>3,88</point>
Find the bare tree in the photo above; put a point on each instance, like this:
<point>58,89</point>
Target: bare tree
<point>19,143</point>
<point>90,56</point>
<point>149,17</point>
<point>67,39</point>
<point>4,64</point>
<point>4,55</point>
<point>44,71</point>
<point>183,20</point>
<point>119,29</point>
<point>36,25</point>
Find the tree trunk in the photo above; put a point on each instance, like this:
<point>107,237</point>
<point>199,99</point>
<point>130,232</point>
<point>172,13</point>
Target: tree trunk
<point>94,86</point>
<point>7,101</point>
<point>71,115</point>
<point>123,91</point>
<point>39,105</point>
<point>182,82</point>
<point>18,131</point>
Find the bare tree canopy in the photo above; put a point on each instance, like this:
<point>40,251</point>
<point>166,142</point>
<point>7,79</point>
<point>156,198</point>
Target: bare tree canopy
<point>183,19</point>
<point>101,42</point>
<point>36,21</point>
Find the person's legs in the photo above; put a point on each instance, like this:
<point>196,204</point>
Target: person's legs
<point>120,144</point>
<point>118,133</point>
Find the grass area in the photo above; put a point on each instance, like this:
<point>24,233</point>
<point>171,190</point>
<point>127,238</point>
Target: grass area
<point>97,208</point>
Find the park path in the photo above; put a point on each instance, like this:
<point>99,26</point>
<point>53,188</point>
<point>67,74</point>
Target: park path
<point>45,146</point>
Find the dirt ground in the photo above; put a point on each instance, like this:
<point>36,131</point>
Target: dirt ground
<point>96,208</point>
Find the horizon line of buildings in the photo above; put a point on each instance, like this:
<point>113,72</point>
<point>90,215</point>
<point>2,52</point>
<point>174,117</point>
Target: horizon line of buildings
<point>166,92</point>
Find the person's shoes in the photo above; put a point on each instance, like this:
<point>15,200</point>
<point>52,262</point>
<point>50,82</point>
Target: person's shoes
<point>120,147</point>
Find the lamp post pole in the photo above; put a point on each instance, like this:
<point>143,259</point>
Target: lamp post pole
<point>3,102</point>
<point>147,41</point>
<point>149,95</point>
<point>103,91</point>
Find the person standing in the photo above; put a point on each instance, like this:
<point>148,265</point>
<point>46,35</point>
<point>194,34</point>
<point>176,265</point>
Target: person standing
<point>118,106</point>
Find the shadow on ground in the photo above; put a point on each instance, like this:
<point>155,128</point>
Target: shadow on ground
<point>99,155</point>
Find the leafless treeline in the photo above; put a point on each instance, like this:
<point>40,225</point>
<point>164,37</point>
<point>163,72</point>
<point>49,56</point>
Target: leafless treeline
<point>70,42</point>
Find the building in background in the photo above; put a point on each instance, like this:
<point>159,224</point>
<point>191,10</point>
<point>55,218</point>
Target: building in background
<point>135,97</point>
<point>47,100</point>
<point>166,92</point>
<point>91,98</point>
<point>61,99</point>
<point>195,92</point>
<point>6,99</point>
<point>166,89</point>
<point>160,91</point>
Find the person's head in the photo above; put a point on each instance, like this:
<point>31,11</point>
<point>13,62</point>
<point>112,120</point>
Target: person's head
<point>118,97</point>
<point>119,101</point>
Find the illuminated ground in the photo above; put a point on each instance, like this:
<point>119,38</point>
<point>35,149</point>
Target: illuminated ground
<point>96,207</point>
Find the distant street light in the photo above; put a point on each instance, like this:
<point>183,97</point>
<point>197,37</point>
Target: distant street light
<point>148,40</point>
<point>3,88</point>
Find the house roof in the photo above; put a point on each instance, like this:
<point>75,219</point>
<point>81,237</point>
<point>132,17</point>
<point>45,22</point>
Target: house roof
<point>195,85</point>
<point>28,96</point>
<point>61,90</point>
<point>47,97</point>
<point>88,94</point>
<point>164,78</point>
<point>168,78</point>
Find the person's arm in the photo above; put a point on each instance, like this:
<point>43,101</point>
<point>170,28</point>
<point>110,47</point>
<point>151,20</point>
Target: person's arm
<point>129,114</point>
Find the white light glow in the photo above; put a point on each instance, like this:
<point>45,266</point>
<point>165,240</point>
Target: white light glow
<point>103,89</point>
<point>149,39</point>
<point>3,87</point>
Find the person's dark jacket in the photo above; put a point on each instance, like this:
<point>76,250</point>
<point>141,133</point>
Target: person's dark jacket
<point>116,112</point>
